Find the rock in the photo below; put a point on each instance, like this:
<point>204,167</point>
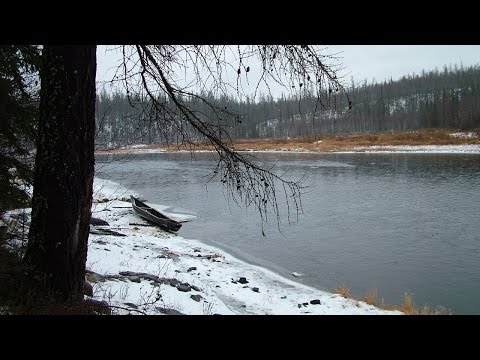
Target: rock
<point>191,268</point>
<point>169,311</point>
<point>199,255</point>
<point>217,286</point>
<point>183,287</point>
<point>101,242</point>
<point>315,302</point>
<point>246,286</point>
<point>243,280</point>
<point>98,222</point>
<point>132,305</point>
<point>151,277</point>
<point>296,274</point>
<point>197,297</point>
<point>196,288</point>
<point>299,305</point>
<point>233,281</point>
<point>87,288</point>
<point>93,277</point>
<point>100,307</point>
<point>305,304</point>
<point>284,297</point>
<point>134,278</point>
<point>255,289</point>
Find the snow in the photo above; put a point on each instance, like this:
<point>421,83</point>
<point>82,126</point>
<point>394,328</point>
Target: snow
<point>437,149</point>
<point>204,270</point>
<point>440,149</point>
<point>465,135</point>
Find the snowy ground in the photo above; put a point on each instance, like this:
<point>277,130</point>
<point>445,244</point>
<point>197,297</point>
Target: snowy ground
<point>154,272</point>
<point>438,149</point>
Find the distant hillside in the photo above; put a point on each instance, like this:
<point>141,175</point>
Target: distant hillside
<point>435,99</point>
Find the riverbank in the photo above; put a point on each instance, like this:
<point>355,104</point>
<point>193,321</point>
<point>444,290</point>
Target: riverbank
<point>422,141</point>
<point>153,272</point>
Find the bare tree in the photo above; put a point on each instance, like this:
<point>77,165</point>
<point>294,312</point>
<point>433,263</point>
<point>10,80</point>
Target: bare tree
<point>63,178</point>
<point>150,75</point>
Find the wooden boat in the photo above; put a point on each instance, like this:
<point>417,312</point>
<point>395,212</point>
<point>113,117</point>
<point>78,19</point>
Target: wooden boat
<point>154,216</point>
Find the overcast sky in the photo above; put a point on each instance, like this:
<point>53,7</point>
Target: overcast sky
<point>379,62</point>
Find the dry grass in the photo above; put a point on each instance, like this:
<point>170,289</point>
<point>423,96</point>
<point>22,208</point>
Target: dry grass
<point>371,297</point>
<point>343,290</point>
<point>407,306</point>
<point>328,143</point>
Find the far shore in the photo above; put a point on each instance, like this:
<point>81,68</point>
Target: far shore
<point>441,140</point>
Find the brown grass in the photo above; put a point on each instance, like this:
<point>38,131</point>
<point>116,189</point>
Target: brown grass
<point>339,142</point>
<point>371,297</point>
<point>343,290</point>
<point>407,306</point>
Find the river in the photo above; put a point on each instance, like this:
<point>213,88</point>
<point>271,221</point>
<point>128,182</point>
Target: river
<point>392,222</point>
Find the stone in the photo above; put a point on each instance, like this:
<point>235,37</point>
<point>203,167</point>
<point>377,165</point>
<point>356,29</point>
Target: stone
<point>169,311</point>
<point>93,277</point>
<point>100,307</point>
<point>243,280</point>
<point>196,297</point>
<point>315,302</point>
<point>196,288</point>
<point>98,222</point>
<point>256,289</point>
<point>191,268</point>
<point>183,287</point>
<point>134,278</point>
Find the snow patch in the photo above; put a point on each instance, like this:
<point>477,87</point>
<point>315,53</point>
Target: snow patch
<point>464,135</point>
<point>190,277</point>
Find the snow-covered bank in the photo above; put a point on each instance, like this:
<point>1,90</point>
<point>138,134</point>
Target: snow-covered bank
<point>152,271</point>
<point>425,149</point>
<point>438,149</point>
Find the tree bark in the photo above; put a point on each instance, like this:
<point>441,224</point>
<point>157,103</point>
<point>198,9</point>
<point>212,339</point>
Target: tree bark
<point>64,168</point>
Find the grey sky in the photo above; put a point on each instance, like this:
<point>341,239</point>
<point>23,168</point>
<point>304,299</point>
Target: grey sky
<point>379,62</point>
<point>384,61</point>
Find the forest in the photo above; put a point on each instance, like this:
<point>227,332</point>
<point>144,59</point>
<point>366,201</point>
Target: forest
<point>449,98</point>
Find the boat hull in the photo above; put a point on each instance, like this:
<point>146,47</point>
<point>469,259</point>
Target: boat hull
<point>154,216</point>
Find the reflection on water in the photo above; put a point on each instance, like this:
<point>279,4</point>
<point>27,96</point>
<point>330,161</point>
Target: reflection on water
<point>393,222</point>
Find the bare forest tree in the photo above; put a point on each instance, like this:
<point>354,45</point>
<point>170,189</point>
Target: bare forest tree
<point>64,164</point>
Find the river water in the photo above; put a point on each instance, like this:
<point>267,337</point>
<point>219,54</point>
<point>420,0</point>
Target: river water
<point>392,222</point>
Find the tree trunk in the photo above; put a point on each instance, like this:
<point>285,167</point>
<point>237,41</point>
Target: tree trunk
<point>64,168</point>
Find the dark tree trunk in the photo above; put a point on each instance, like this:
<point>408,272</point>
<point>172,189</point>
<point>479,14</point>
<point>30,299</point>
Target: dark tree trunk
<point>64,168</point>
